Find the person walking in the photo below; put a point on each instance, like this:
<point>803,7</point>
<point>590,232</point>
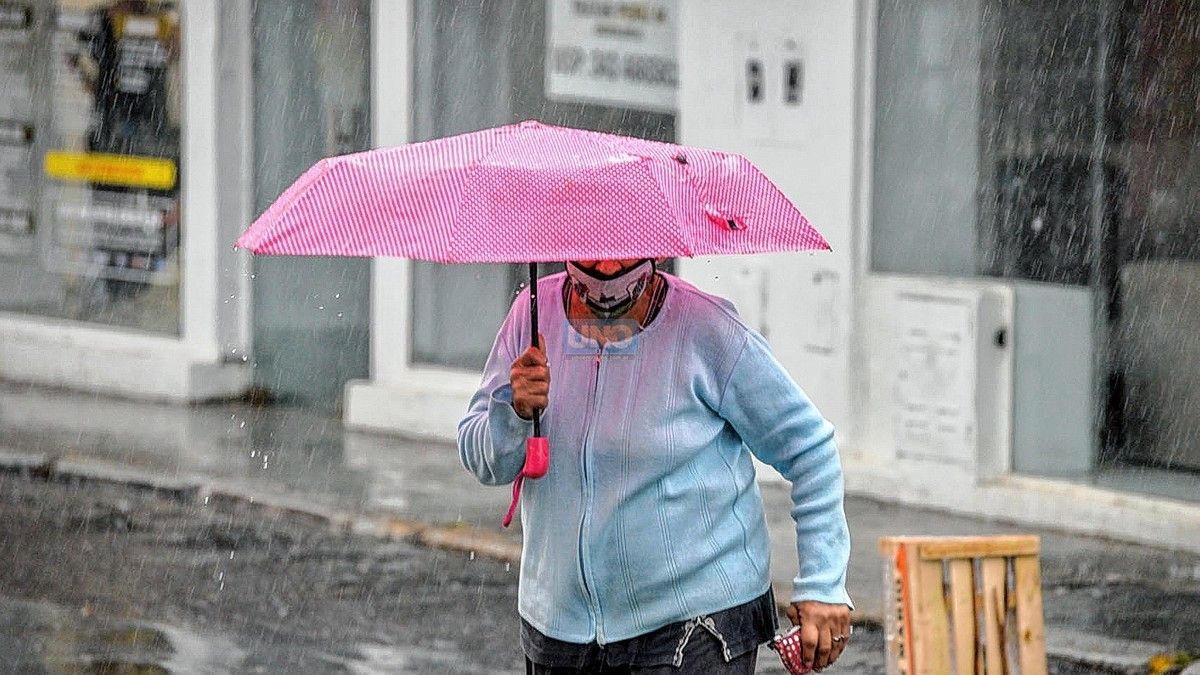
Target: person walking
<point>645,546</point>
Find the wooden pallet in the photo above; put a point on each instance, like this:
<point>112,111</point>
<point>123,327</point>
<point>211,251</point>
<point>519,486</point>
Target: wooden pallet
<point>963,605</point>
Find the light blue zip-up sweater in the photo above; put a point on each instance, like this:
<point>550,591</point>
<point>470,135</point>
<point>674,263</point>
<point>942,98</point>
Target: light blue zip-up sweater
<point>650,512</point>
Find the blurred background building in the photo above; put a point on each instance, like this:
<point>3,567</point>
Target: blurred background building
<point>1009,324</point>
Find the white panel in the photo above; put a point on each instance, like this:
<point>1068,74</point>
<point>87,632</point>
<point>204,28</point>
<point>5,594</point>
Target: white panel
<point>1055,404</point>
<point>934,378</point>
<point>807,146</point>
<point>940,382</point>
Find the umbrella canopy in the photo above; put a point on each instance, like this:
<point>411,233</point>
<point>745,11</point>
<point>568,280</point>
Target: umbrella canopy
<point>530,192</point>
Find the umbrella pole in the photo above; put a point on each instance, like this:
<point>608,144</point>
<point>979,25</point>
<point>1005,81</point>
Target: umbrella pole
<point>537,448</point>
<point>533,334</point>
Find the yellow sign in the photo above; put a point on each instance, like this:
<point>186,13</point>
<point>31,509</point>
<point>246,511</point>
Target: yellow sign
<point>154,173</point>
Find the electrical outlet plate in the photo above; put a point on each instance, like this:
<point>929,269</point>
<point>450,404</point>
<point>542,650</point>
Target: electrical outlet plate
<point>772,87</point>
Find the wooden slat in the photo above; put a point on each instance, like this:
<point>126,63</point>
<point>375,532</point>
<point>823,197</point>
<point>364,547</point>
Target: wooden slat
<point>995,577</point>
<point>1031,636</point>
<point>962,612</point>
<point>978,547</point>
<point>931,629</point>
<point>896,627</point>
<point>1012,635</point>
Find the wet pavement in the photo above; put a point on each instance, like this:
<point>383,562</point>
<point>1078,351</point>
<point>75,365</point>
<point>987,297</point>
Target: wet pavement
<point>111,579</point>
<point>1100,595</point>
<point>104,578</point>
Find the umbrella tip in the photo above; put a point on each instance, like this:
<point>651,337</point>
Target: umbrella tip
<point>531,124</point>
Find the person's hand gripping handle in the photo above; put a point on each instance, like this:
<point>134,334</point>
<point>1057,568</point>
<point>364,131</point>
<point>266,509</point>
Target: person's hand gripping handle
<point>530,378</point>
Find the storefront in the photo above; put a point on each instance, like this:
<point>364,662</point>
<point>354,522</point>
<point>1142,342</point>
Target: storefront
<point>1006,326</point>
<point>115,274</point>
<point>137,139</point>
<point>1033,230</point>
<point>1008,224</point>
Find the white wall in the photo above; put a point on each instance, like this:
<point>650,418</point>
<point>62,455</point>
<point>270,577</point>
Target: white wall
<point>803,303</point>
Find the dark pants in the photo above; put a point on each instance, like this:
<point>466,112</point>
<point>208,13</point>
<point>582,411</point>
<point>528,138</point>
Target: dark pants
<point>701,655</point>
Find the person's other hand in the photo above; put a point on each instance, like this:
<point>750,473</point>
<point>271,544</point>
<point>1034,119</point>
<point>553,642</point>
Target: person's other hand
<point>530,378</point>
<point>819,625</point>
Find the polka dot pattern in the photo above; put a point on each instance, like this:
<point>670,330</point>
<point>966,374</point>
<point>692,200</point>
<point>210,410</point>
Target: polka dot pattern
<point>788,647</point>
<point>530,192</point>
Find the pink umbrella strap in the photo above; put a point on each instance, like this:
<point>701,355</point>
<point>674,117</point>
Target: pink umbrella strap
<point>512,507</point>
<point>537,463</point>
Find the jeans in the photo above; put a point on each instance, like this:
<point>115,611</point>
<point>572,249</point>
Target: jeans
<point>703,654</point>
<point>723,642</point>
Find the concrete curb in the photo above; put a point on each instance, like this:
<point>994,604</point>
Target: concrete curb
<point>1099,653</point>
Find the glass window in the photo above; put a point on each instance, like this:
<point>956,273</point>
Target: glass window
<point>1059,143</point>
<point>90,161</point>
<point>927,117</point>
<point>986,125</point>
<point>480,65</point>
<point>1154,146</point>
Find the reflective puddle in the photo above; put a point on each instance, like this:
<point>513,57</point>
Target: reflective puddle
<point>44,638</point>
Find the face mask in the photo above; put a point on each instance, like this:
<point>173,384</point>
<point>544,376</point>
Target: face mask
<point>610,295</point>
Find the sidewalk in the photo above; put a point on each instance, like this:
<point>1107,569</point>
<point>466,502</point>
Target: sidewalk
<point>1108,605</point>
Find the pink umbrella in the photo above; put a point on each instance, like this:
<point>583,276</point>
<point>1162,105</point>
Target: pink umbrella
<point>532,193</point>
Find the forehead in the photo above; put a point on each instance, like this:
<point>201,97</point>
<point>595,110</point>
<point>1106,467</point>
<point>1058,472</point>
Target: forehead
<point>623,262</point>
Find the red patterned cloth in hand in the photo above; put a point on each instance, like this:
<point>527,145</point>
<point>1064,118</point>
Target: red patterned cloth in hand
<point>788,646</point>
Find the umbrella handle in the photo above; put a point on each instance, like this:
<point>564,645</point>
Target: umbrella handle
<point>537,463</point>
<point>537,457</point>
<point>537,447</point>
<point>533,334</point>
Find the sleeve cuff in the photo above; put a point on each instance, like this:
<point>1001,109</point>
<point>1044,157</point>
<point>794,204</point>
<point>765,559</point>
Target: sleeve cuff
<point>507,428</point>
<point>807,593</point>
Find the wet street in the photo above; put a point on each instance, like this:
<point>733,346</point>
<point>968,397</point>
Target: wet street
<point>101,578</point>
<point>106,579</point>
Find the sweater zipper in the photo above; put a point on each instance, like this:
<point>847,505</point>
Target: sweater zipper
<point>593,605</point>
